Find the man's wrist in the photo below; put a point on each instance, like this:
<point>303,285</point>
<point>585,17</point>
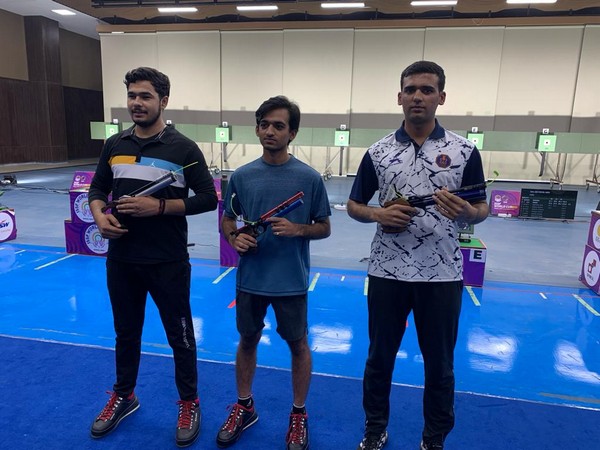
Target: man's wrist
<point>231,237</point>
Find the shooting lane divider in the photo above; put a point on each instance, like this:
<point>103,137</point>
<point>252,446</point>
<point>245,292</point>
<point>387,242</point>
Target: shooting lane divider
<point>54,262</point>
<point>587,305</point>
<point>313,283</point>
<point>223,275</point>
<point>473,296</point>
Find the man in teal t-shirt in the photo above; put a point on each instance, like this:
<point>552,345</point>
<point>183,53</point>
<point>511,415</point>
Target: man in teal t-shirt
<point>274,265</point>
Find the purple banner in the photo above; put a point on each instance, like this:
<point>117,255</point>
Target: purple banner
<point>8,225</point>
<point>505,203</point>
<point>81,180</point>
<point>85,239</point>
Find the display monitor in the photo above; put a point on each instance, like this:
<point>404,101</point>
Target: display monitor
<point>547,204</point>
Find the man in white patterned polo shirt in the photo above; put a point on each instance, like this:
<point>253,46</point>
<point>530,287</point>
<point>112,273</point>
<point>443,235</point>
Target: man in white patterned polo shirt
<point>416,263</point>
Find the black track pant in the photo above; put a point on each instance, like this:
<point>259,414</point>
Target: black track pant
<point>169,286</point>
<point>436,309</point>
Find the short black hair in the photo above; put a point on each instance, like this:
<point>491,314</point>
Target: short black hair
<point>159,80</point>
<point>424,67</point>
<point>277,103</point>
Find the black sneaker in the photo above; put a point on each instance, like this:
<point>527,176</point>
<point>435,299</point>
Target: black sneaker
<point>239,419</point>
<point>373,442</point>
<point>431,446</point>
<point>297,435</point>
<point>188,422</point>
<point>115,410</point>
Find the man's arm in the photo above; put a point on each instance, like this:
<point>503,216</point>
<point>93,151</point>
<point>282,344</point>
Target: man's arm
<point>200,181</point>
<point>483,210</point>
<point>455,208</point>
<point>319,229</point>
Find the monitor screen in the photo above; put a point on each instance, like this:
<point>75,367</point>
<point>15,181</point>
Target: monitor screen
<point>547,204</point>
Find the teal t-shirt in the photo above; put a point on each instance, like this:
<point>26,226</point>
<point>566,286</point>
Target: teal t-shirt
<point>281,265</point>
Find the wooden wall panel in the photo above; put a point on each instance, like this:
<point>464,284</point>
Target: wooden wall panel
<point>43,49</point>
<point>82,106</point>
<point>26,112</point>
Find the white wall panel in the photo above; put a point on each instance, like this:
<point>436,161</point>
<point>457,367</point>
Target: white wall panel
<point>471,60</point>
<point>539,70</point>
<point>192,62</point>
<point>317,69</point>
<point>587,95</point>
<point>252,68</point>
<point>379,58</point>
<point>121,53</point>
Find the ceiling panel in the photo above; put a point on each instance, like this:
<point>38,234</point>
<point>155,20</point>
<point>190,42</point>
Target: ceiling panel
<point>146,11</point>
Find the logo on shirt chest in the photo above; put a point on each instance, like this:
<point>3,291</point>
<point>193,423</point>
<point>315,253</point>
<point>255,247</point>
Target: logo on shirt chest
<point>443,161</point>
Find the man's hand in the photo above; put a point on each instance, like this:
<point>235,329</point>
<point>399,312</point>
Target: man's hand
<point>242,242</point>
<point>138,206</point>
<point>459,210</point>
<point>395,216</point>
<point>109,226</point>
<point>284,228</point>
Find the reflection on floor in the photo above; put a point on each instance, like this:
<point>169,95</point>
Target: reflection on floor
<point>531,332</point>
<point>531,342</point>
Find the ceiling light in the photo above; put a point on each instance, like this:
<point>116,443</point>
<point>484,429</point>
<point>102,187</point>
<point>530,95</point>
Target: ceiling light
<point>178,9</point>
<point>434,3</point>
<point>343,5</point>
<point>516,2</point>
<point>63,12</point>
<point>257,8</point>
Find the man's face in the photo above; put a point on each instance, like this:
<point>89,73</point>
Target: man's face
<point>144,104</point>
<point>273,130</point>
<point>420,97</point>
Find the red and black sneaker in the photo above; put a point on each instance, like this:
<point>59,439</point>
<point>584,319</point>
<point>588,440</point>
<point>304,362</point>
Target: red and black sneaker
<point>238,420</point>
<point>373,441</point>
<point>116,409</point>
<point>431,445</point>
<point>297,435</point>
<point>188,422</point>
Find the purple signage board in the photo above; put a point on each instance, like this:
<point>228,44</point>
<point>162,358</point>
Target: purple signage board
<point>228,256</point>
<point>505,203</point>
<point>217,182</point>
<point>81,180</point>
<point>84,239</point>
<point>590,269</point>
<point>8,225</point>
<point>474,254</point>
<point>80,207</point>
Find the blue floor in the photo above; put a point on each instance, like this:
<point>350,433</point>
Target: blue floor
<point>531,333</point>
<point>530,342</point>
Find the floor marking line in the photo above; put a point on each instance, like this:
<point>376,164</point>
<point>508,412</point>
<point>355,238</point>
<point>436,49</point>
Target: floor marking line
<point>223,275</point>
<point>343,278</point>
<point>587,306</point>
<point>54,262</point>
<point>571,398</point>
<point>313,283</point>
<point>543,296</point>
<point>366,288</point>
<point>232,304</point>
<point>473,296</point>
